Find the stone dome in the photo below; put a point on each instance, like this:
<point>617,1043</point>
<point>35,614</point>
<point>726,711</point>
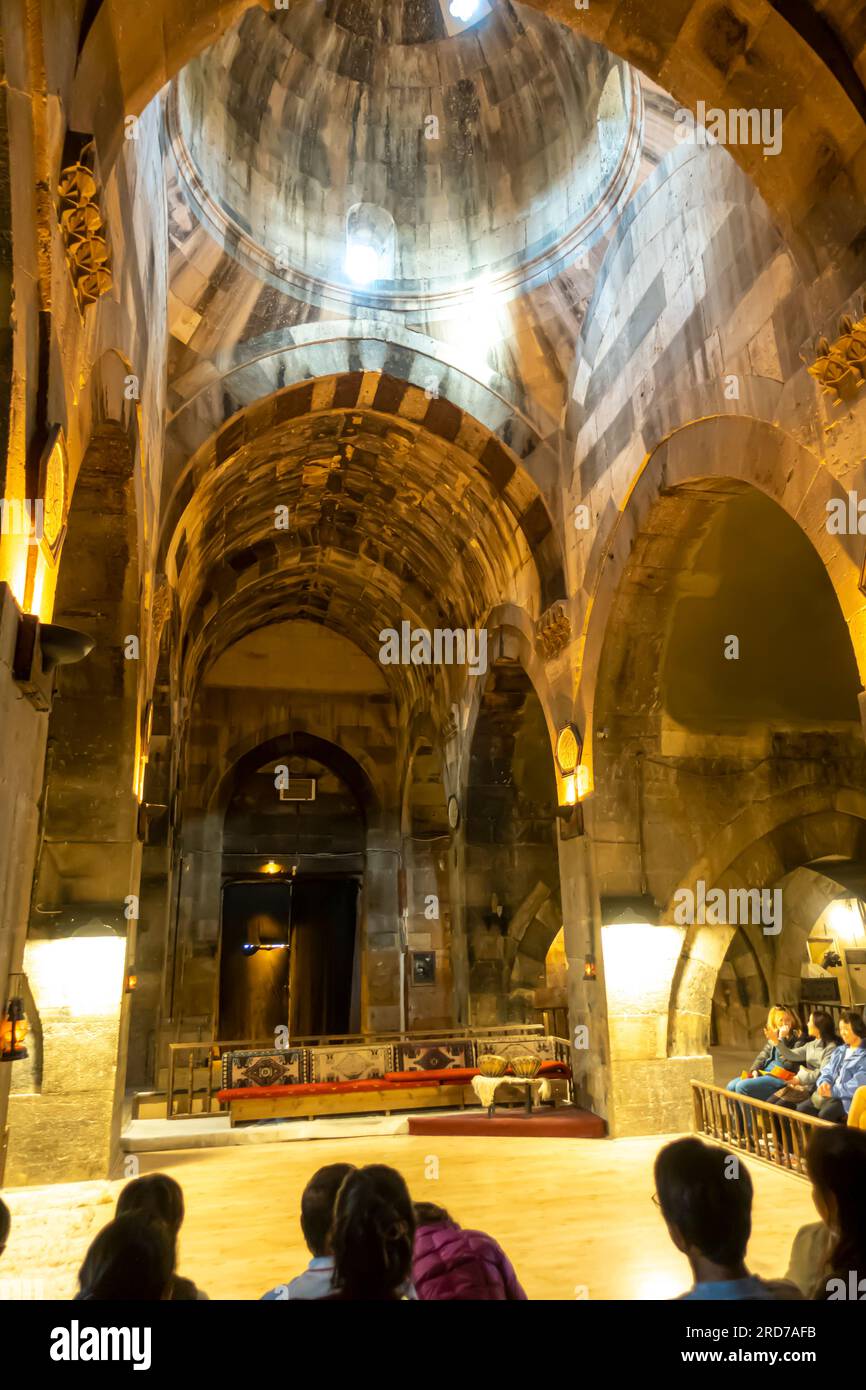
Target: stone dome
<point>498,150</point>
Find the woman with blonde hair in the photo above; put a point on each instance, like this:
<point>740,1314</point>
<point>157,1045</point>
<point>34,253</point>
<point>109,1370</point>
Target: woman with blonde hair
<point>770,1070</point>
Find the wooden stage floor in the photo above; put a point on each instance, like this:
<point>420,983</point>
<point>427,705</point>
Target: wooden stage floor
<point>576,1216</point>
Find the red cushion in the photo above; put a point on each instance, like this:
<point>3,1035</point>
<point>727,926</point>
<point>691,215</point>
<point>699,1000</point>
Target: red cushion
<point>555,1069</point>
<point>454,1076</point>
<point>312,1088</point>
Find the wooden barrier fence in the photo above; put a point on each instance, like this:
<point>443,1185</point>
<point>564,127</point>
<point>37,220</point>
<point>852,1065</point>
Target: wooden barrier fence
<point>755,1127</point>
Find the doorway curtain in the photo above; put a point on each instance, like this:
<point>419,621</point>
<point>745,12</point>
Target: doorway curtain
<point>324,922</point>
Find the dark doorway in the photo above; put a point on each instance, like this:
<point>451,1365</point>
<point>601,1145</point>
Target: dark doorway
<point>322,977</point>
<point>254,960</point>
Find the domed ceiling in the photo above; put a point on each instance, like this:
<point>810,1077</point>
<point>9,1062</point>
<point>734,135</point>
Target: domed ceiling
<point>496,152</point>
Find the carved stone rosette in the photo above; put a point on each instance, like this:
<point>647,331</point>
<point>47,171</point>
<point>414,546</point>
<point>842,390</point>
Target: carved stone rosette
<point>84,234</point>
<point>553,631</point>
<point>841,367</point>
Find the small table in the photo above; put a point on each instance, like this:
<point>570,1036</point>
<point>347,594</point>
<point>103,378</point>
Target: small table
<point>485,1088</point>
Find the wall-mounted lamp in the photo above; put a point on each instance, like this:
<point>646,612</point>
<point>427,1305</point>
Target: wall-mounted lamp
<point>568,749</point>
<point>63,646</point>
<point>148,813</point>
<point>590,970</point>
<point>39,648</point>
<point>575,779</point>
<point>576,775</point>
<point>13,1030</point>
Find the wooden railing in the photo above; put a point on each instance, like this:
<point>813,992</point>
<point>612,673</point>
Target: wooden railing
<point>755,1127</point>
<point>189,1097</point>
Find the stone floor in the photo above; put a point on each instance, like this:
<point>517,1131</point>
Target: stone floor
<point>576,1216</point>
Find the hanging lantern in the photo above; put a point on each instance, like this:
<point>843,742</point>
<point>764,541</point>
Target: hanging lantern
<point>13,1030</point>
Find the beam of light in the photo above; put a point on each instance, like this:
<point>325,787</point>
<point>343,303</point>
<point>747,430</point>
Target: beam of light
<point>362,262</point>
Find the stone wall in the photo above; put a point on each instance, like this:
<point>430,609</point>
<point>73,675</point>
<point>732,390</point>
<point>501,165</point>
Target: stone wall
<point>24,730</point>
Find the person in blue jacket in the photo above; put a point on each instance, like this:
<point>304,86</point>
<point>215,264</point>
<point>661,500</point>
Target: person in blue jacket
<point>843,1074</point>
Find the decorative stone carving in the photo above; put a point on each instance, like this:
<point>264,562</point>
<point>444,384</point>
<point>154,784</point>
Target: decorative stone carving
<point>553,631</point>
<point>83,232</point>
<point>841,367</point>
<point>161,607</point>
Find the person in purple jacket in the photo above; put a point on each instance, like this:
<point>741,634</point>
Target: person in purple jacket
<point>450,1263</point>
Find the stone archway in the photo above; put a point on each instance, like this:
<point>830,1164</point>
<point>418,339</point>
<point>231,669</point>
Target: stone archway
<point>243,825</point>
<point>706,454</point>
<point>801,830</point>
<point>689,733</point>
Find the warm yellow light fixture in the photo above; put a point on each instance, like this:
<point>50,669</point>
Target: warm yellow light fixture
<point>845,917</point>
<point>576,777</point>
<point>568,744</point>
<point>273,868</point>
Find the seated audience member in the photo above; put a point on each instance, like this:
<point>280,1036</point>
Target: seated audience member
<point>843,1073</point>
<point>372,1236</point>
<point>761,1082</point>
<point>5,1224</point>
<point>812,1056</point>
<point>708,1214</point>
<point>160,1198</point>
<point>450,1263</point>
<point>857,1113</point>
<point>317,1213</point>
<point>834,1249</point>
<point>131,1260</point>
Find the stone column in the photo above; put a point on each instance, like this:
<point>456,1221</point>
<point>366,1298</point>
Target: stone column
<point>587,1004</point>
<point>381,977</point>
<point>66,1130</point>
<point>651,1065</point>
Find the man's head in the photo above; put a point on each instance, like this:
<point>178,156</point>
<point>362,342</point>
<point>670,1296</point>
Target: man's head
<point>317,1205</point>
<point>705,1196</point>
